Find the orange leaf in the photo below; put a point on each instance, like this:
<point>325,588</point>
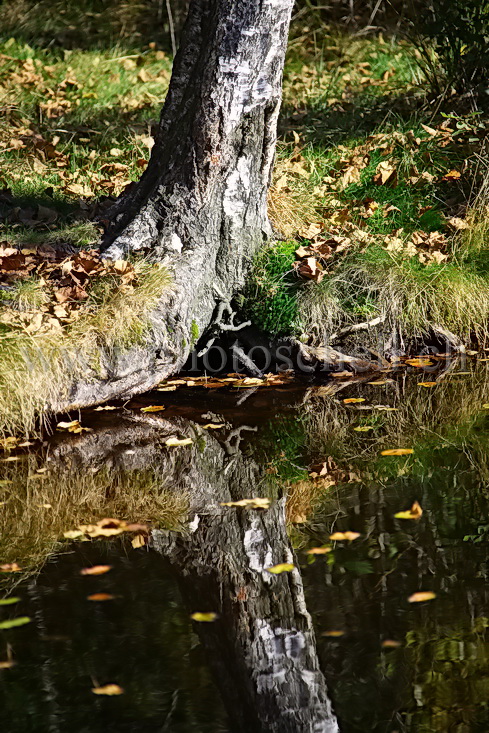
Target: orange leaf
<point>422,595</point>
<point>111,689</point>
<point>340,536</point>
<point>96,570</point>
<point>100,597</point>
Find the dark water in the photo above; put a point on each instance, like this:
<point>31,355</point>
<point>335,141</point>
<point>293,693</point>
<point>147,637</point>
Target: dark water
<point>332,645</point>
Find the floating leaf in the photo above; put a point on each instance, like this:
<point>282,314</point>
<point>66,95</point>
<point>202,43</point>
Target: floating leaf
<point>486,406</point>
<point>100,597</point>
<point>422,595</point>
<point>73,534</point>
<point>10,567</point>
<point>340,536</point>
<point>257,502</point>
<point>111,689</point>
<point>173,442</point>
<point>73,427</point>
<point>390,644</point>
<point>213,426</point>
<point>204,616</point>
<point>9,601</point>
<point>419,362</point>
<point>318,550</point>
<point>283,567</point>
<point>385,408</point>
<point>381,382</point>
<point>153,408</point>
<point>397,452</point>
<point>427,384</point>
<point>353,400</point>
<point>14,622</point>
<point>334,633</point>
<point>363,428</point>
<point>140,540</point>
<point>414,513</point>
<point>7,664</point>
<point>96,570</point>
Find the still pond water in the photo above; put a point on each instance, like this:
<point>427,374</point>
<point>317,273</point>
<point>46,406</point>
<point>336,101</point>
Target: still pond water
<point>332,644</point>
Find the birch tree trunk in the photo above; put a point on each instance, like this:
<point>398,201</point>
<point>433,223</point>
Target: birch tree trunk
<point>201,205</point>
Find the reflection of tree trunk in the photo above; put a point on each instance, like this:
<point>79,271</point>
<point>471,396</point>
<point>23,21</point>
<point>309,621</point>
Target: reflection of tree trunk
<point>262,647</point>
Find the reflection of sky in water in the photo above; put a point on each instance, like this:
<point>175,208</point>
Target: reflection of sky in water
<point>259,664</point>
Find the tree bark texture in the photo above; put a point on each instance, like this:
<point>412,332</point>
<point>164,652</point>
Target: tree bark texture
<point>262,647</point>
<point>200,207</point>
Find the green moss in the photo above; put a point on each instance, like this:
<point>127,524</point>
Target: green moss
<point>194,332</point>
<point>270,297</point>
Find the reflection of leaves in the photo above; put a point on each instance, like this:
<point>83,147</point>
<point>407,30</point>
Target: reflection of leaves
<point>359,567</point>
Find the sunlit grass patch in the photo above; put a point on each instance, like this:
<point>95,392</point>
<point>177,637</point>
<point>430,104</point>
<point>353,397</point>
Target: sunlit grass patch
<point>37,367</point>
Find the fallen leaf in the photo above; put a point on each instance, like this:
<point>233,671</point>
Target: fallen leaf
<point>14,622</point>
<point>153,408</point>
<point>213,426</point>
<point>318,550</point>
<point>427,384</point>
<point>173,442</point>
<point>363,428</point>
<point>414,513</point>
<point>422,595</point>
<point>257,502</point>
<point>353,400</point>
<point>334,633</point>
<point>390,644</point>
<point>9,601</point>
<point>111,689</point>
<point>11,567</point>
<point>96,570</point>
<point>397,452</point>
<point>140,540</point>
<point>348,536</point>
<point>100,597</point>
<point>73,534</point>
<point>204,616</point>
<point>284,567</point>
<point>452,175</point>
<point>419,362</point>
<point>7,664</point>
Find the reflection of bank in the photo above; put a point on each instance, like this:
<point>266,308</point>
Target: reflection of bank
<point>261,649</point>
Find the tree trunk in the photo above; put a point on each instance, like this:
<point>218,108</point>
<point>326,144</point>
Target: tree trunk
<point>201,205</point>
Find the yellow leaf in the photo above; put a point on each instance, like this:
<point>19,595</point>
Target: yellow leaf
<point>422,595</point>
<point>348,536</point>
<point>153,408</point>
<point>414,513</point>
<point>139,541</point>
<point>212,426</point>
<point>257,502</point>
<point>204,617</point>
<point>173,442</point>
<point>73,534</point>
<point>111,689</point>
<point>427,384</point>
<point>397,452</point>
<point>363,428</point>
<point>486,405</point>
<point>352,400</point>
<point>284,567</point>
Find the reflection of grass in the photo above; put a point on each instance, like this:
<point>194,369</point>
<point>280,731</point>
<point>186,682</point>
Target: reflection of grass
<point>30,530</point>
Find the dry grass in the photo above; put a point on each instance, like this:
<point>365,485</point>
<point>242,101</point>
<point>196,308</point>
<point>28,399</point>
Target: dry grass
<point>37,371</point>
